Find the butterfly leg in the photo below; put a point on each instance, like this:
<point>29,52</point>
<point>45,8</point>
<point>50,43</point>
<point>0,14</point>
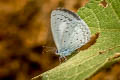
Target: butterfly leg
<point>65,58</point>
<point>60,59</point>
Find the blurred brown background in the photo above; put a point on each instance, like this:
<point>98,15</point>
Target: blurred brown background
<point>24,35</point>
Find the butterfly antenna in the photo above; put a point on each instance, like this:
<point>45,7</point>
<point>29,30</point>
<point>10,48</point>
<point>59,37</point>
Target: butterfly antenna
<point>47,47</point>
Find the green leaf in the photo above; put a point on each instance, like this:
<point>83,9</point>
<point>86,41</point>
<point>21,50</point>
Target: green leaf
<point>106,21</point>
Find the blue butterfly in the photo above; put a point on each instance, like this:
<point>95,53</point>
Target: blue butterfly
<point>69,31</point>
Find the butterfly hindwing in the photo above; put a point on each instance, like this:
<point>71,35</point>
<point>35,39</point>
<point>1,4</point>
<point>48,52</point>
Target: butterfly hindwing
<point>79,37</point>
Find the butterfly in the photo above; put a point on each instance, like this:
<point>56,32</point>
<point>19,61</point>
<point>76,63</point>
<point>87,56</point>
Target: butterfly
<point>69,31</point>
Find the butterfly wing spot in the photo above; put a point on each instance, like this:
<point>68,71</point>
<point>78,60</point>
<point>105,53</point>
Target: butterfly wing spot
<point>69,19</point>
<point>65,17</point>
<point>87,33</point>
<point>64,20</point>
<point>61,19</point>
<point>57,30</point>
<point>67,23</point>
<point>81,41</point>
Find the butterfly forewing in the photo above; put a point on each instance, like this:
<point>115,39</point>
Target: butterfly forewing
<point>59,24</point>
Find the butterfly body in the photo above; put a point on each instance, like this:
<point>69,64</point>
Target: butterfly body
<point>63,52</point>
<point>69,31</point>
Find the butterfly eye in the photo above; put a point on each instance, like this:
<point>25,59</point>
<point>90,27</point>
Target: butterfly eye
<point>56,51</point>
